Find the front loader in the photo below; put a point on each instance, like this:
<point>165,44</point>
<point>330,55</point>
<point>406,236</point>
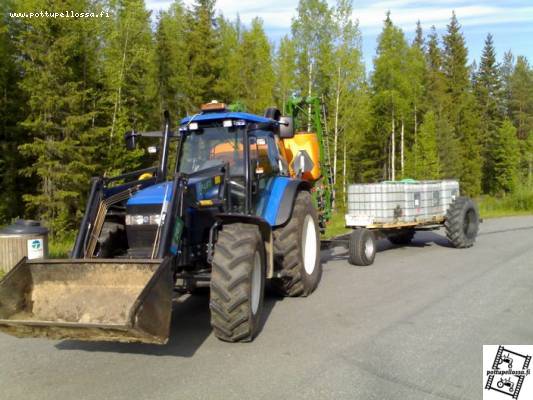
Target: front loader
<point>235,210</point>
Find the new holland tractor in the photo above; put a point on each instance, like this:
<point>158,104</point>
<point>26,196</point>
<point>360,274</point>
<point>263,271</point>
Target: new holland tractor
<point>237,208</point>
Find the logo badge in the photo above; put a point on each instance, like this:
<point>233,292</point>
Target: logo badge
<point>507,372</point>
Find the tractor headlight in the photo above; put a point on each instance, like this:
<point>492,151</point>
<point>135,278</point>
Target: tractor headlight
<point>154,219</point>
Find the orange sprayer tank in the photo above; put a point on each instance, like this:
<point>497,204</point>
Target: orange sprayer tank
<point>304,141</point>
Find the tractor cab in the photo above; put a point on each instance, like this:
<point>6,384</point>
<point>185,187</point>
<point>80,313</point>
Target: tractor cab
<point>228,163</point>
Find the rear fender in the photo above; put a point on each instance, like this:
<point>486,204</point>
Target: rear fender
<point>286,203</point>
<point>264,228</point>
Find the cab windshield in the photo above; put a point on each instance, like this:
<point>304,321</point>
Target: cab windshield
<point>213,146</point>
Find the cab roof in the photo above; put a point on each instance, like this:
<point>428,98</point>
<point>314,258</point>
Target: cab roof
<point>214,116</point>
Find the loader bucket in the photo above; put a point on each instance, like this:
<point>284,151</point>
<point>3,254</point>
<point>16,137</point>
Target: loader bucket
<point>90,299</point>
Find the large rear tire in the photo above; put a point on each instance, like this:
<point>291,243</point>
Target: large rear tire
<point>462,223</point>
<point>237,283</point>
<point>297,250</point>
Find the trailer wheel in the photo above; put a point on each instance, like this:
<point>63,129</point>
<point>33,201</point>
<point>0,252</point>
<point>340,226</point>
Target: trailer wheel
<point>362,250</point>
<point>297,250</point>
<point>237,283</point>
<point>401,237</point>
<point>462,223</point>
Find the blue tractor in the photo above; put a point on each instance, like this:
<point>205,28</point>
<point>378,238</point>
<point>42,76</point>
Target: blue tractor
<point>226,207</point>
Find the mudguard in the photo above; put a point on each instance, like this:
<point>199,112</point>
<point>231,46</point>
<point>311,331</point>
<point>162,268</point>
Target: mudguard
<point>264,228</point>
<point>286,202</point>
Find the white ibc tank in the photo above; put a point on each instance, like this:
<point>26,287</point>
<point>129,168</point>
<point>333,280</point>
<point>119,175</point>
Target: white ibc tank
<point>399,201</point>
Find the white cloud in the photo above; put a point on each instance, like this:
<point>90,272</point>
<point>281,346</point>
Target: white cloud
<point>372,17</point>
<point>277,14</point>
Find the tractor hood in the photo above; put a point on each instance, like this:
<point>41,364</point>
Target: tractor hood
<point>155,194</point>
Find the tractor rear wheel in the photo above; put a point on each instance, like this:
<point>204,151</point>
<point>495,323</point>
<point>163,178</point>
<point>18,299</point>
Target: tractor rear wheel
<point>462,223</point>
<point>297,250</point>
<point>401,237</point>
<point>237,283</point>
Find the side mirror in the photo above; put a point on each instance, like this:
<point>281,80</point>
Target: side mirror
<point>130,139</point>
<point>286,127</point>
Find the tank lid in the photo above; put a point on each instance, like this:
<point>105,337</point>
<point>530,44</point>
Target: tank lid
<point>24,227</point>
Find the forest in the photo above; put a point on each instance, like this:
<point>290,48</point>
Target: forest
<point>71,87</point>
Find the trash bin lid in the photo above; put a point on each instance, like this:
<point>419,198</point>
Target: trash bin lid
<point>24,227</point>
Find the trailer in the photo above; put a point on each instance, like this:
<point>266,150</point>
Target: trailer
<point>395,210</point>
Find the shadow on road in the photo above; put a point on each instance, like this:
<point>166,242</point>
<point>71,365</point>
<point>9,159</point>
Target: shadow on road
<point>189,329</point>
<point>421,239</point>
<point>524,228</point>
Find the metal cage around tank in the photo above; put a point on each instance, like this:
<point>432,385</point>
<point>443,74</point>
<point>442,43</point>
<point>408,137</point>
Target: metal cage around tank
<point>399,202</point>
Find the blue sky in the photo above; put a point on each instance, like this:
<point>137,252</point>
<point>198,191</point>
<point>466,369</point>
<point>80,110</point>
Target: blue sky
<point>510,21</point>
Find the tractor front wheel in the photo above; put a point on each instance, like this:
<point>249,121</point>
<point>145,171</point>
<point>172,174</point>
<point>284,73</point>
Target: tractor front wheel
<point>237,283</point>
<point>297,250</point>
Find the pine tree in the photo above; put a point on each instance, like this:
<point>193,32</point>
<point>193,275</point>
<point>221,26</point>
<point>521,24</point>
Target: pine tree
<point>460,109</point>
<point>12,110</point>
<point>390,83</point>
<point>256,72</point>
<point>521,102</point>
<point>285,66</point>
<point>506,71</point>
<point>129,76</point>
<point>230,86</point>
<point>417,72</point>
<point>348,83</point>
<point>521,112</point>
<point>424,159</point>
<point>203,58</point>
<point>526,162</point>
<point>419,41</point>
<point>435,86</point>
<point>455,60</point>
<point>506,158</point>
<point>312,31</point>
<point>56,58</point>
<point>171,68</point>
<point>488,89</point>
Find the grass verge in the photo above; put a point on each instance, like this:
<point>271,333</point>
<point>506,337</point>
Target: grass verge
<point>517,203</point>
<point>335,226</point>
<point>61,247</point>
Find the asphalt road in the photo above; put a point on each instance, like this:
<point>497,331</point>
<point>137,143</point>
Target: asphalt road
<point>411,326</point>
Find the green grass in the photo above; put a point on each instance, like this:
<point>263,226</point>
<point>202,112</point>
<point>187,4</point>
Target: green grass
<point>61,247</point>
<point>517,203</point>
<point>335,226</point>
